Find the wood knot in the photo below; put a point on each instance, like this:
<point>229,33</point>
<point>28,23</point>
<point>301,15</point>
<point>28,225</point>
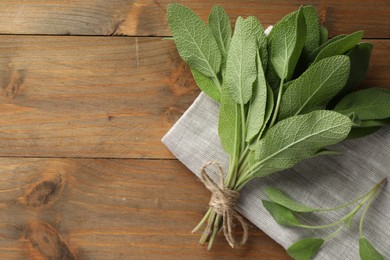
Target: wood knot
<point>181,81</point>
<point>173,114</point>
<point>15,81</point>
<point>42,193</point>
<point>110,117</point>
<point>46,243</point>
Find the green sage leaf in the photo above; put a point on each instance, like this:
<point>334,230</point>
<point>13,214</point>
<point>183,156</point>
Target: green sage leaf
<point>283,199</point>
<point>361,132</point>
<point>315,87</point>
<point>229,124</point>
<point>258,31</point>
<point>282,215</point>
<point>241,62</point>
<point>194,40</point>
<point>327,152</point>
<point>370,123</point>
<point>299,137</point>
<point>272,77</point>
<point>362,128</point>
<point>367,250</point>
<point>367,127</point>
<point>314,54</point>
<point>360,59</point>
<point>323,34</point>
<point>286,42</point>
<point>312,39</point>
<point>368,104</point>
<point>313,30</point>
<point>257,107</point>
<point>268,113</point>
<point>269,109</point>
<point>207,85</point>
<point>354,119</point>
<point>340,46</point>
<point>305,249</point>
<point>219,23</point>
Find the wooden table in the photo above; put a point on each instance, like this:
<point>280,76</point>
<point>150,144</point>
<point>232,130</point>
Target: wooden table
<point>88,88</point>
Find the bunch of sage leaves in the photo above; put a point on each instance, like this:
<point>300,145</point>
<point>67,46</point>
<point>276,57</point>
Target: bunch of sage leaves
<point>283,98</point>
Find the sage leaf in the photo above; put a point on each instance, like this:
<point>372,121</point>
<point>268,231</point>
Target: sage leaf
<point>305,249</point>
<point>298,137</point>
<point>282,215</point>
<point>194,40</point>
<point>315,87</point>
<point>241,62</point>
<point>229,124</point>
<point>327,152</point>
<point>287,84</point>
<point>354,119</point>
<point>368,104</point>
<point>312,30</point>
<point>360,59</point>
<point>207,85</point>
<point>286,42</point>
<point>258,31</point>
<point>257,107</point>
<point>367,251</point>
<point>361,132</point>
<point>283,199</point>
<point>312,39</point>
<point>357,122</point>
<point>340,46</point>
<point>219,23</point>
<point>269,109</point>
<point>272,77</point>
<point>362,128</point>
<point>370,123</point>
<point>268,113</point>
<point>314,54</point>
<point>323,34</point>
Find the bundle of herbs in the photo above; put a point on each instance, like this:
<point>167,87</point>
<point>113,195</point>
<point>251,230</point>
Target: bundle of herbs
<point>283,98</point>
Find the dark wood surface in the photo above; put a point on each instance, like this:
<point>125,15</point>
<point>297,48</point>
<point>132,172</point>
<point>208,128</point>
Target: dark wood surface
<point>147,17</point>
<point>83,174</point>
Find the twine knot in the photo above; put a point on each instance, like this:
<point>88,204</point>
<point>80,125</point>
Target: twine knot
<point>223,202</point>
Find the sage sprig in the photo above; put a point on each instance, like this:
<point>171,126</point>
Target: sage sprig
<point>284,210</point>
<point>283,97</point>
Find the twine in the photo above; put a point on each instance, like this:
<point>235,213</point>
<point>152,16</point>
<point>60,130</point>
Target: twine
<point>223,202</point>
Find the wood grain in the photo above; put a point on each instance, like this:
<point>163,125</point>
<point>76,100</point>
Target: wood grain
<point>346,16</point>
<point>147,17</point>
<point>62,97</point>
<point>101,97</point>
<point>108,209</point>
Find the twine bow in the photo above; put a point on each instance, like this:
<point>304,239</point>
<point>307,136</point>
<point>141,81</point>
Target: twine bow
<point>223,202</point>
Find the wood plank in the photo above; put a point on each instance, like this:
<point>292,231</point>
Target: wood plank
<point>108,209</point>
<point>147,17</point>
<point>346,16</point>
<point>378,70</point>
<point>90,97</point>
<point>101,97</point>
